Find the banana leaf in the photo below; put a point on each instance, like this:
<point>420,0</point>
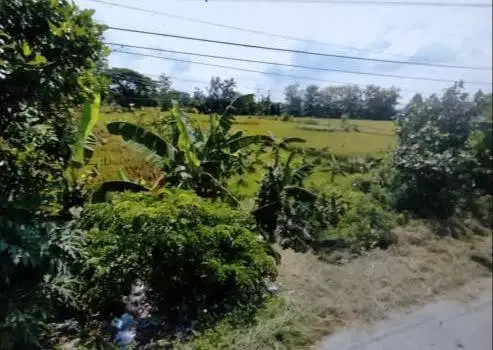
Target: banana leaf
<point>135,133</point>
<point>90,116</point>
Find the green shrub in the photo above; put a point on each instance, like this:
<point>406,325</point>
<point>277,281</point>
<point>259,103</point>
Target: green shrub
<point>49,51</point>
<point>197,258</point>
<point>433,162</point>
<point>367,224</point>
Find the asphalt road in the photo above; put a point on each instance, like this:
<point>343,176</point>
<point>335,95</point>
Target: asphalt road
<point>442,325</point>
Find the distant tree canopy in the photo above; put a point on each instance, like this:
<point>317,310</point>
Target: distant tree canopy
<point>130,87</point>
<point>371,102</point>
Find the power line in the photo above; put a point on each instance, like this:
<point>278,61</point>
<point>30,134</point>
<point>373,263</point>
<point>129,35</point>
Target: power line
<point>372,2</point>
<point>295,65</point>
<point>242,29</point>
<point>295,51</point>
<point>190,80</point>
<point>243,69</point>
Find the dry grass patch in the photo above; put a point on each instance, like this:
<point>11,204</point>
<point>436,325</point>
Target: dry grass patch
<point>319,298</point>
<point>418,268</point>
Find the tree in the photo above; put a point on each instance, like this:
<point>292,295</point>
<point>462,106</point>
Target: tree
<point>130,87</point>
<point>183,98</point>
<point>264,105</point>
<point>198,100</point>
<point>433,162</point>
<point>312,103</point>
<point>351,100</point>
<point>49,53</point>
<point>220,94</point>
<point>380,103</point>
<point>294,100</point>
<point>228,90</point>
<point>163,86</point>
<point>481,102</point>
<point>246,105</point>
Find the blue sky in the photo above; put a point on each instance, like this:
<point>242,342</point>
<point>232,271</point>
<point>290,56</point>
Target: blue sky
<point>447,35</point>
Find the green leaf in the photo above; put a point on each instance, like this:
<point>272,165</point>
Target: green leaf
<point>38,60</point>
<point>135,133</point>
<point>284,143</point>
<point>244,141</point>
<point>185,141</point>
<point>229,196</point>
<point>26,50</point>
<point>227,118</point>
<point>302,172</point>
<point>89,119</point>
<point>300,193</point>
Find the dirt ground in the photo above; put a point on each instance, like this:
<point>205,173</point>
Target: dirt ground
<point>421,266</point>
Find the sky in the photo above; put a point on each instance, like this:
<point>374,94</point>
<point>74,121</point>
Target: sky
<point>449,35</point>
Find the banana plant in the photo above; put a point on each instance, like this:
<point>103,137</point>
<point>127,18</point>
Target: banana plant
<point>83,147</point>
<point>74,193</point>
<point>191,158</point>
<point>281,185</point>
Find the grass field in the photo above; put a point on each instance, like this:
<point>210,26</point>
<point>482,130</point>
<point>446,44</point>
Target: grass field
<point>373,137</point>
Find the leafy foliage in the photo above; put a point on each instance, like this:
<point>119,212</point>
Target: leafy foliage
<point>433,161</point>
<point>366,224</point>
<point>74,192</point>
<point>128,87</point>
<point>49,51</point>
<point>194,159</point>
<point>372,102</point>
<point>481,143</point>
<point>196,257</point>
<point>284,209</point>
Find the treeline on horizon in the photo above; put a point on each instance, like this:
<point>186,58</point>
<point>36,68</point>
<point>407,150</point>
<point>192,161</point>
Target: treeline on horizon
<point>127,87</point>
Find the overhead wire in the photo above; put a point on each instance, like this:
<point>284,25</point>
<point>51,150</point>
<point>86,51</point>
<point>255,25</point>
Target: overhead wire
<point>253,46</point>
<point>297,77</point>
<point>191,80</point>
<point>295,65</point>
<point>237,28</point>
<point>371,2</point>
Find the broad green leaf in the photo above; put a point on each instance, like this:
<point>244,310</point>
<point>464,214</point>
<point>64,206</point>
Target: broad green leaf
<point>227,118</point>
<point>185,143</point>
<point>302,172</point>
<point>284,143</point>
<point>229,196</point>
<point>135,133</point>
<point>244,141</point>
<point>89,119</point>
<point>300,193</point>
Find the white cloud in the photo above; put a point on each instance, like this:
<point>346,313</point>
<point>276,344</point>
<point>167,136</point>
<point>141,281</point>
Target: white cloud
<point>449,35</point>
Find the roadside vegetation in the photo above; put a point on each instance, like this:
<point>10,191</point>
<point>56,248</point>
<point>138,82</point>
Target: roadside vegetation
<point>157,228</point>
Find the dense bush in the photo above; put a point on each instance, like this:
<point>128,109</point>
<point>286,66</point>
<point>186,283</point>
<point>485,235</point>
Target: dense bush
<point>433,161</point>
<point>194,256</point>
<point>48,53</point>
<point>366,224</point>
<point>481,143</point>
